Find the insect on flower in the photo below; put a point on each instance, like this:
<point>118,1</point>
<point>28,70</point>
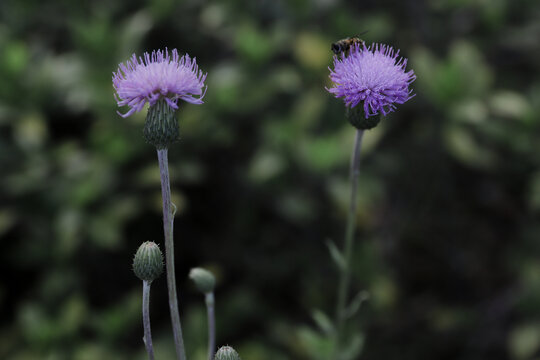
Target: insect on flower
<point>344,45</point>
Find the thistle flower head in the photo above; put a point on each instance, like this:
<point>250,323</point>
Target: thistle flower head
<point>375,75</point>
<point>158,76</point>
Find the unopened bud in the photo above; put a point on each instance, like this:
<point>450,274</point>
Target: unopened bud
<point>148,261</point>
<point>226,353</point>
<point>203,279</point>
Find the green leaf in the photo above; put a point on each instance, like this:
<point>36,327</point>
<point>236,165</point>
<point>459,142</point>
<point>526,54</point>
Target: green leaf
<point>336,255</point>
<point>323,321</point>
<point>356,303</point>
<point>353,349</point>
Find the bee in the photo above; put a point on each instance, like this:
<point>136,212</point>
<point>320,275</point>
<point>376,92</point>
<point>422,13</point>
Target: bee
<point>344,45</point>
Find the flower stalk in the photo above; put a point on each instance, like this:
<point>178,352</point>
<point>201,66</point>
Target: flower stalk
<point>146,319</point>
<point>168,225</point>
<point>147,266</point>
<point>206,282</point>
<point>371,80</point>
<point>345,274</point>
<point>161,79</point>
<point>209,300</point>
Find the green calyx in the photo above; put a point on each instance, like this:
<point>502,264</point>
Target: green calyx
<point>204,280</point>
<point>357,118</point>
<point>226,353</point>
<point>148,261</point>
<point>161,127</point>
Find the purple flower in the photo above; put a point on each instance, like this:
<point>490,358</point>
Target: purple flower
<point>374,75</point>
<point>158,76</point>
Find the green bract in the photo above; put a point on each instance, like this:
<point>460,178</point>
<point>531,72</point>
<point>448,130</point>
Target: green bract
<point>357,119</point>
<point>226,353</point>
<point>148,261</point>
<point>161,127</point>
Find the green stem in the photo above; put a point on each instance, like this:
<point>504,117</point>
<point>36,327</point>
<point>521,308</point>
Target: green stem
<point>345,275</point>
<point>168,226</point>
<point>146,320</point>
<point>209,299</point>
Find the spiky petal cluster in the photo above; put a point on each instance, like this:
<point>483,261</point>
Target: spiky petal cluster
<point>158,76</point>
<point>375,75</point>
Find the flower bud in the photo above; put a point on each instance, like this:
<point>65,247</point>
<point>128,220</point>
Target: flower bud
<point>203,279</point>
<point>148,261</point>
<point>226,353</point>
<point>161,127</point>
<point>358,119</point>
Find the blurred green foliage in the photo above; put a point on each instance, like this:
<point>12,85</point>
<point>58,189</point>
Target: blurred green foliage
<point>449,203</point>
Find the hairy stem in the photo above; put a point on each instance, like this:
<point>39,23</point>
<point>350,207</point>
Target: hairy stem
<point>345,275</point>
<point>209,299</point>
<point>146,320</point>
<point>169,253</point>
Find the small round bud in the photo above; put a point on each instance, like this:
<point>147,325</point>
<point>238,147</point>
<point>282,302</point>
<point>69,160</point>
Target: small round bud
<point>226,353</point>
<point>203,279</point>
<point>358,119</point>
<point>161,127</point>
<point>148,261</point>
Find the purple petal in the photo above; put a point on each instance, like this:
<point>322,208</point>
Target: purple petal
<point>157,76</point>
<point>375,75</point>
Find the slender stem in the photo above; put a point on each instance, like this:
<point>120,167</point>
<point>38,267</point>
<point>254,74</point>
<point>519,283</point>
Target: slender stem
<point>345,275</point>
<point>146,320</point>
<point>168,226</point>
<point>209,299</point>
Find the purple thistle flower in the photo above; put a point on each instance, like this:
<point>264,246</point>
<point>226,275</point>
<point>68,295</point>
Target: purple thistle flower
<point>158,76</point>
<point>374,75</point>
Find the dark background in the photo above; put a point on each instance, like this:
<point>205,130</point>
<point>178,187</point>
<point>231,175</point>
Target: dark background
<point>448,239</point>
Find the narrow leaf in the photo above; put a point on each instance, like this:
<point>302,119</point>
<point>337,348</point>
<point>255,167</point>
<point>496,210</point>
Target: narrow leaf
<point>356,303</point>
<point>323,321</point>
<point>353,349</point>
<point>336,255</point>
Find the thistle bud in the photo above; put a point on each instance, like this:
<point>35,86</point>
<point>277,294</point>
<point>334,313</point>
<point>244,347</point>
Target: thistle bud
<point>226,353</point>
<point>357,118</point>
<point>148,261</point>
<point>161,127</point>
<point>203,279</point>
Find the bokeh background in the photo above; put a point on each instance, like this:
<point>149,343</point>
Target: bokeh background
<point>448,241</point>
